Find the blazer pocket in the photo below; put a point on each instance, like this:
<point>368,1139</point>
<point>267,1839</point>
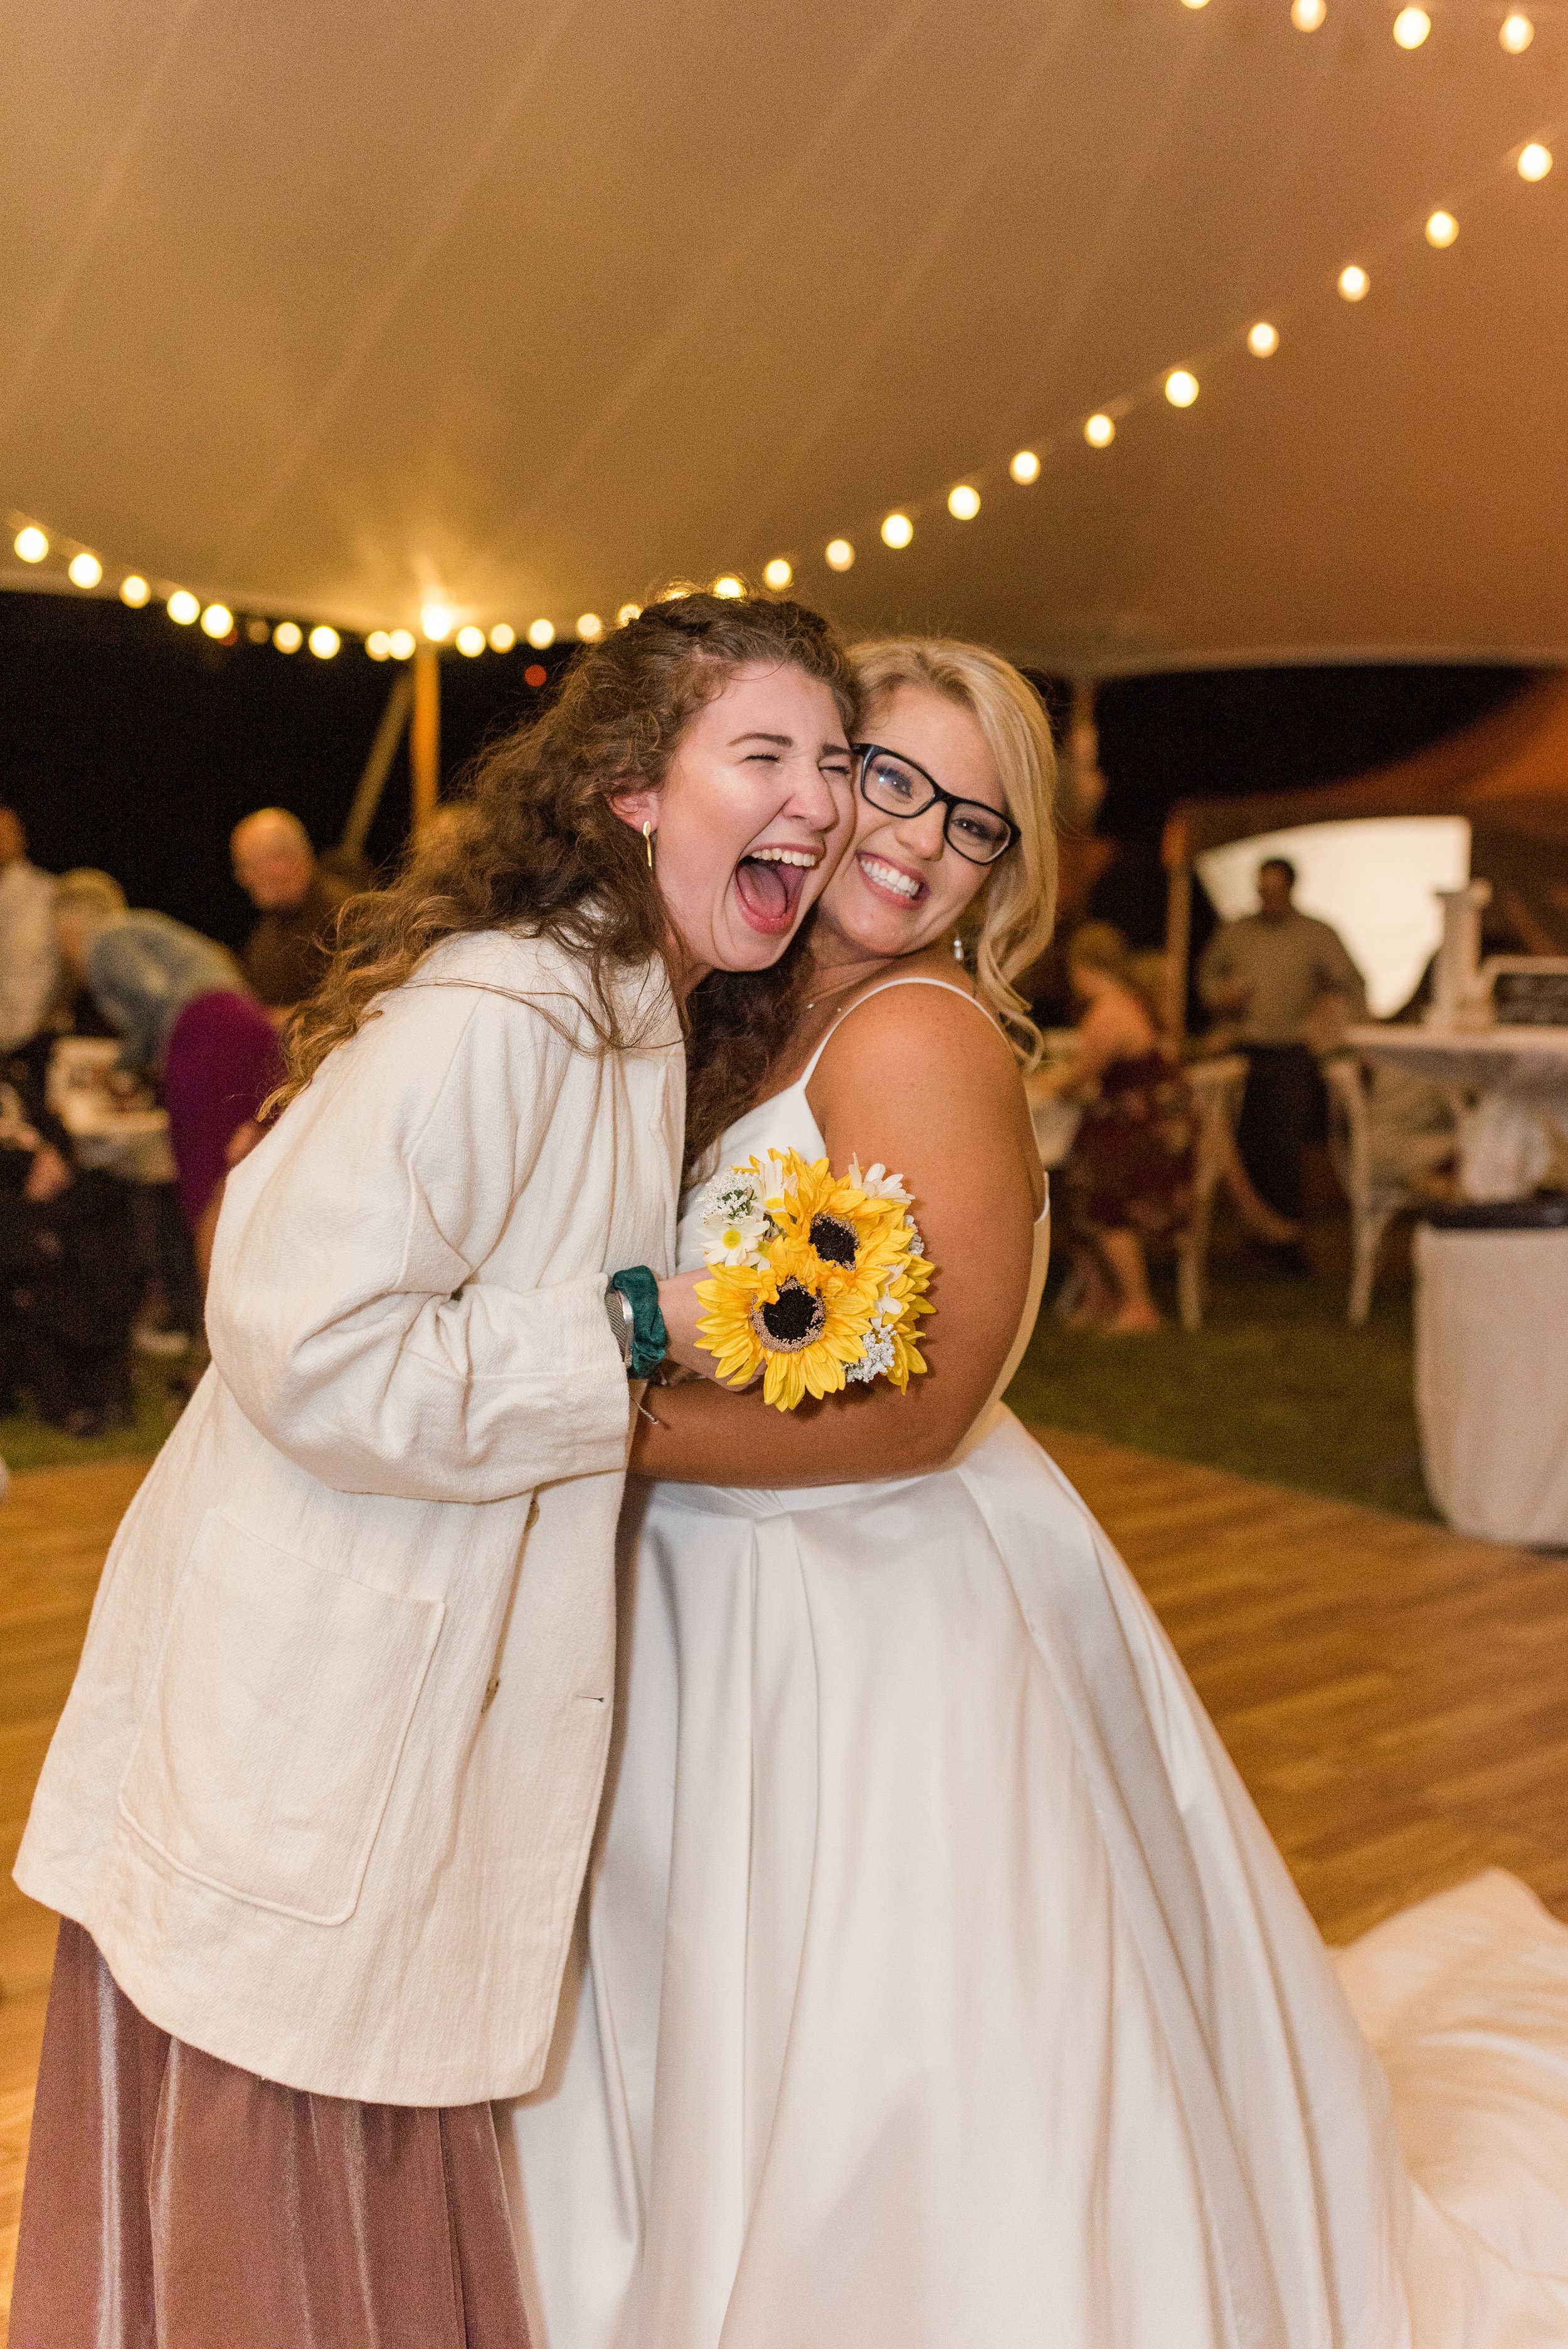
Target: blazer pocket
<point>284,1695</point>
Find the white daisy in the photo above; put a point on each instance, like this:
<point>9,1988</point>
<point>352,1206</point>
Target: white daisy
<point>732,1217</point>
<point>878,1183</point>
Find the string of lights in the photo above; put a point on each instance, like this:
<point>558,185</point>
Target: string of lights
<point>1179,386</point>
<point>1411,26</point>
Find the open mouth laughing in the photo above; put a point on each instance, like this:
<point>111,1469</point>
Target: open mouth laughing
<point>768,882</point>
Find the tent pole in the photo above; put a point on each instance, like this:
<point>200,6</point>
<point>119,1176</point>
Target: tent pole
<point>377,767</point>
<point>424,737</point>
<point>1178,925</point>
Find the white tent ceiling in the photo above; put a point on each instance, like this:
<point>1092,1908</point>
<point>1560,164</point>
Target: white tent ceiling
<point>322,309</point>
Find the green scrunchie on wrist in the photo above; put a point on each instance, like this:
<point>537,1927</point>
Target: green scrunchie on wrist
<point>650,1338</point>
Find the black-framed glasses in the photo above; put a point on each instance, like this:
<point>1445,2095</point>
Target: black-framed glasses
<point>895,786</point>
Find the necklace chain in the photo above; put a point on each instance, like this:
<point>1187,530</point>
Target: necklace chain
<point>828,992</point>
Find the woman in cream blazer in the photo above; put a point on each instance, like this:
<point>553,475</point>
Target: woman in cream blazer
<point>320,1803</point>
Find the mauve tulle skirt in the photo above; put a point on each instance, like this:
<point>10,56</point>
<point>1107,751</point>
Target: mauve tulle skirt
<point>175,2202</point>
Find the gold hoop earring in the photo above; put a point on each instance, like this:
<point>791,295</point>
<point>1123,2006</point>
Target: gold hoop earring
<point>649,843</point>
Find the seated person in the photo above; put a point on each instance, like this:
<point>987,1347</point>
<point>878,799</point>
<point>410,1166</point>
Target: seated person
<point>186,1017</point>
<point>1128,1178</point>
<point>68,1271</point>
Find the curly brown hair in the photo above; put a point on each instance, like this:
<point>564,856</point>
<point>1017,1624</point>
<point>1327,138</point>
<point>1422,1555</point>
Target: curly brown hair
<point>538,847</point>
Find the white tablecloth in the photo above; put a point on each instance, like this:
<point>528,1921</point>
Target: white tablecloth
<point>1491,1379</point>
<point>1509,1090</point>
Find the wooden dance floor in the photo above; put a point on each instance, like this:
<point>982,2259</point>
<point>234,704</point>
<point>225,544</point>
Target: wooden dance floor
<point>1394,1696</point>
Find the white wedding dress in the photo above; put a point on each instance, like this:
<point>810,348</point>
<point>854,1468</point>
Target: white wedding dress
<point>942,1990</point>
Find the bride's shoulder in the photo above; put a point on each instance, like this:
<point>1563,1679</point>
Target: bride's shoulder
<point>929,1017</point>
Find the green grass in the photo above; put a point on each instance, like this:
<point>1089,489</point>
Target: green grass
<point>1277,1385</point>
<point>27,1442</point>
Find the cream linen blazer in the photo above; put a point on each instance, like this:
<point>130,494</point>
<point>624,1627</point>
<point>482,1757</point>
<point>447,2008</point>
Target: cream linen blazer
<point>324,1789</point>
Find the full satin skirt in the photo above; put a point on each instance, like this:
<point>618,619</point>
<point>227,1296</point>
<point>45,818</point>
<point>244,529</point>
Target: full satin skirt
<point>941,1986</point>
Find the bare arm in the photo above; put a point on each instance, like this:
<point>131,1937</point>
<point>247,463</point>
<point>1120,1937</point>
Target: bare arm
<point>920,1082</point>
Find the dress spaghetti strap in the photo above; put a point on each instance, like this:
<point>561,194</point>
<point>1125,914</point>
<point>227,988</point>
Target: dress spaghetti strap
<point>910,978</point>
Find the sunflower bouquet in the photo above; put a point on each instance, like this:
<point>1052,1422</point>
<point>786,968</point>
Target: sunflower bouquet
<point>819,1280</point>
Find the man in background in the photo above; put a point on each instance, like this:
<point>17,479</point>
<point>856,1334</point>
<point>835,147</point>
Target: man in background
<point>1282,981</point>
<point>275,865</point>
<point>29,965</point>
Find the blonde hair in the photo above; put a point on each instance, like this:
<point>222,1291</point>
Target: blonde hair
<point>98,897</point>
<point>1017,900</point>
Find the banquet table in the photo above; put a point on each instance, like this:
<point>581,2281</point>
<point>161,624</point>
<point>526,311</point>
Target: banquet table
<point>1507,1087</point>
<point>128,1138</point>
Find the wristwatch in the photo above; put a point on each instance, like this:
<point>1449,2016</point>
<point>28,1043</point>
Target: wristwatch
<point>623,1322</point>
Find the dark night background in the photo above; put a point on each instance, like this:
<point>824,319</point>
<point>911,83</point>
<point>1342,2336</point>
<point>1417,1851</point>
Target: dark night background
<point>132,744</point>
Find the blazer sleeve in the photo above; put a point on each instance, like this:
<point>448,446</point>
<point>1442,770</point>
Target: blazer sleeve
<point>344,1313</point>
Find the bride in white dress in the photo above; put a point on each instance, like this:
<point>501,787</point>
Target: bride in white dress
<point>940,1984</point>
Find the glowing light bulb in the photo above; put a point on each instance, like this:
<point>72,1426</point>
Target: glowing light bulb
<point>627,614</point>
<point>257,631</point>
<point>30,545</point>
<point>1411,26</point>
<point>470,642</point>
<point>1306,15</point>
<point>536,675</point>
<point>777,574</point>
<point>217,622</point>
<point>1180,387</point>
<point>1354,283</point>
<point>288,637</point>
<point>1195,4</point>
<point>183,607</point>
<point>379,645</point>
<point>541,634</point>
<point>839,553</point>
<point>401,644</point>
<point>964,503</point>
<point>729,587</point>
<point>84,570</point>
<point>502,638</point>
<point>1534,161</point>
<point>1263,340</point>
<point>1441,230</point>
<point>1516,33</point>
<point>134,590</point>
<point>1024,467</point>
<point>324,642</point>
<point>436,622</point>
<point>1099,432</point>
<point>897,530</point>
<point>590,627</point>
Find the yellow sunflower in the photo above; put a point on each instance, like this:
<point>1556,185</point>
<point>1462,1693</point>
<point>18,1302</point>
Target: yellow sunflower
<point>798,1320</point>
<point>855,1240</point>
<point>908,1291</point>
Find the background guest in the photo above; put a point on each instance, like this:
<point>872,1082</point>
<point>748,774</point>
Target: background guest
<point>30,967</point>
<point>69,1272</point>
<point>1285,982</point>
<point>186,1015</point>
<point>1128,1178</point>
<point>297,899</point>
